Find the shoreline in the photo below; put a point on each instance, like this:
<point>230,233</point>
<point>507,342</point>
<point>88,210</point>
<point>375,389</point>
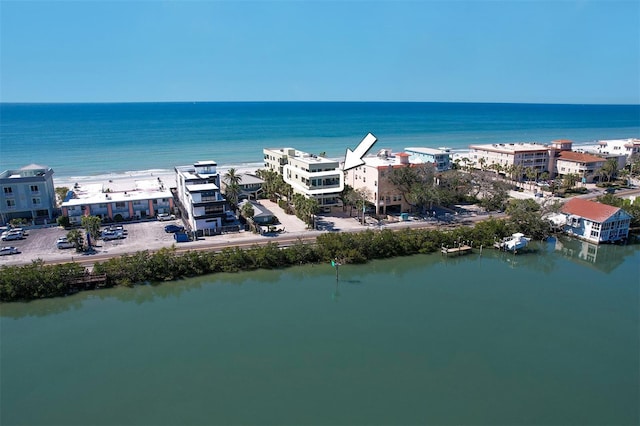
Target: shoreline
<point>168,175</point>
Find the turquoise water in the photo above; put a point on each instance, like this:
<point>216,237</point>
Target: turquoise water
<point>96,139</point>
<point>545,337</point>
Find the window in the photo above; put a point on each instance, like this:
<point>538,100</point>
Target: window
<point>120,204</point>
<point>35,201</point>
<point>11,203</point>
<point>8,190</point>
<point>213,209</point>
<point>34,188</point>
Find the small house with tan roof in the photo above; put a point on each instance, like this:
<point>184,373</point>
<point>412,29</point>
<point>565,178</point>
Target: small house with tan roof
<point>595,222</point>
<point>584,165</point>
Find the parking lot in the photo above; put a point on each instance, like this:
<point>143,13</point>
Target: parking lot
<point>41,243</point>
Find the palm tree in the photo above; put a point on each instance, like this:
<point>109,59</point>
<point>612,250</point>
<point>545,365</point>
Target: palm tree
<point>609,169</point>
<point>232,191</point>
<point>531,174</point>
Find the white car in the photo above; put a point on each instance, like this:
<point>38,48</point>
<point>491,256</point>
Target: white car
<point>63,243</point>
<point>4,251</point>
<point>165,216</point>
<point>112,235</point>
<point>12,235</point>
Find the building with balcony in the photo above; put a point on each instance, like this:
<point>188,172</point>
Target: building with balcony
<point>372,178</point>
<point>201,202</point>
<point>27,193</point>
<point>585,166</point>
<point>308,174</point>
<point>517,157</point>
<point>115,201</point>
<point>441,157</point>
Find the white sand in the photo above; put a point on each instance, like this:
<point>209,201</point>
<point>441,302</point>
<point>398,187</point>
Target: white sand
<point>124,181</point>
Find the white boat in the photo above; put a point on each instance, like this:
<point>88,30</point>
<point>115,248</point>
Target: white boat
<point>516,242</point>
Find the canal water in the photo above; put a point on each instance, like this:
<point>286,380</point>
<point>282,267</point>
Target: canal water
<point>546,337</point>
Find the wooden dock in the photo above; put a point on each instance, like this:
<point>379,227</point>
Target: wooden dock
<point>463,249</point>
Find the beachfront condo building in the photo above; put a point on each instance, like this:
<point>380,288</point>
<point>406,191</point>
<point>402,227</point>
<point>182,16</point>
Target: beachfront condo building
<point>440,157</point>
<point>308,174</point>
<point>372,181</point>
<point>115,201</point>
<point>514,158</point>
<point>585,166</point>
<point>200,200</point>
<point>27,193</point>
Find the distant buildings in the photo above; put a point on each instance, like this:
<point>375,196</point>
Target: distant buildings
<point>308,174</point>
<point>626,147</point>
<point>198,192</point>
<point>27,193</point>
<point>441,157</point>
<point>557,159</point>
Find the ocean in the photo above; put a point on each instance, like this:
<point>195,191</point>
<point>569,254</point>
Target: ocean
<point>80,140</point>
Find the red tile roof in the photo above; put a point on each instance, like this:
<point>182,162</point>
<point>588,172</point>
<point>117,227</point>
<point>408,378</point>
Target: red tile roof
<point>596,212</point>
<point>579,157</point>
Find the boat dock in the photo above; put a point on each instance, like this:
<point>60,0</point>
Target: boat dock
<point>463,249</point>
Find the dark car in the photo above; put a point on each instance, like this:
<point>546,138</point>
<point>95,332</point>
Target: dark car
<point>173,228</point>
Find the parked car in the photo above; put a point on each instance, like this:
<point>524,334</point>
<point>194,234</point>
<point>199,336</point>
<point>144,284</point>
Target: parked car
<point>12,235</point>
<point>116,228</point>
<point>63,243</point>
<point>4,251</point>
<point>112,235</point>
<point>181,237</point>
<point>165,216</point>
<point>173,229</point>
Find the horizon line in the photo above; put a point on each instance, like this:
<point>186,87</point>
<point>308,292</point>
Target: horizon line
<point>307,101</point>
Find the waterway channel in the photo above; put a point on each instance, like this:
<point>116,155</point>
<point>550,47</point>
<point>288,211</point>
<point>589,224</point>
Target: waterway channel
<point>548,337</point>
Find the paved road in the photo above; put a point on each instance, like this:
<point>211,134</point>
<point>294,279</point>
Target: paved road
<point>40,244</point>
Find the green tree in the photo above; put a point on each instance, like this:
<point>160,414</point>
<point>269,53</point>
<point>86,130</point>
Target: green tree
<point>91,224</point>
<point>569,180</point>
<point>415,183</point>
<point>232,191</point>
<point>609,169</point>
<point>247,210</point>
<point>63,221</point>
<point>75,236</point>
<point>525,216</point>
<point>61,194</point>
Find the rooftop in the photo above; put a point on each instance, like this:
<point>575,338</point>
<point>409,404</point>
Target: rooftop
<point>591,210</point>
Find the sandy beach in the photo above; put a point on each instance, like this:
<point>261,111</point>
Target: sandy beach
<point>124,181</point>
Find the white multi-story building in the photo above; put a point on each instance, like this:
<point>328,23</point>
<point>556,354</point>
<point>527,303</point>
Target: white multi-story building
<point>198,190</point>
<point>626,147</point>
<point>27,193</point>
<point>310,175</point>
<point>440,157</point>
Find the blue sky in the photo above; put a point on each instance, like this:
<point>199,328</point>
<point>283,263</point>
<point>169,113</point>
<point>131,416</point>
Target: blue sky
<point>460,51</point>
